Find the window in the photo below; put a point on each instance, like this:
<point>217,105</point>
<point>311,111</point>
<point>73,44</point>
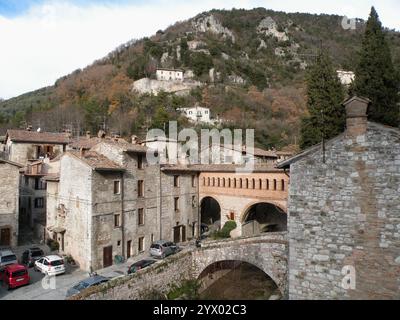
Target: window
<point>117,220</point>
<point>39,203</point>
<point>247,183</point>
<point>141,244</point>
<point>240,183</point>
<point>267,184</point>
<point>140,162</point>
<point>193,181</point>
<point>204,181</point>
<point>260,184</point>
<point>117,187</point>
<point>140,216</point>
<point>26,181</point>
<point>176,181</point>
<point>274,184</point>
<point>208,181</point>
<point>152,238</point>
<point>40,184</point>
<point>176,204</point>
<point>253,184</point>
<point>140,188</point>
<point>119,243</point>
<point>219,182</point>
<point>193,201</point>
<point>231,215</point>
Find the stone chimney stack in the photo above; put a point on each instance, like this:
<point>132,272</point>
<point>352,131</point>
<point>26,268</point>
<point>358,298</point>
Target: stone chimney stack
<point>134,139</point>
<point>356,115</point>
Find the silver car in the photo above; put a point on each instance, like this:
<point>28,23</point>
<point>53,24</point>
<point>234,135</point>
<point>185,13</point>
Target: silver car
<point>163,248</point>
<point>7,257</point>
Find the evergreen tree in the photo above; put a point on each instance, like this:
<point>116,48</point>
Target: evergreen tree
<point>325,95</point>
<point>376,78</point>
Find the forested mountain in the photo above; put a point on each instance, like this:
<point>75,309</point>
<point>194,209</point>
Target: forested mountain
<point>257,60</point>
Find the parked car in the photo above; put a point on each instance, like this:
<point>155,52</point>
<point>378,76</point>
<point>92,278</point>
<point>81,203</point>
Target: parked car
<point>7,257</point>
<point>140,265</point>
<point>50,265</point>
<point>163,248</point>
<point>14,276</point>
<point>31,255</point>
<point>86,283</point>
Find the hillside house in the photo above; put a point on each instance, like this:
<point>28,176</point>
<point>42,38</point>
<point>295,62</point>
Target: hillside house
<point>169,75</point>
<point>197,114</point>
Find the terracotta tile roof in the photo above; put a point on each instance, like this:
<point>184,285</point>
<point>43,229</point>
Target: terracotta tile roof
<point>96,161</point>
<point>257,151</point>
<point>126,146</point>
<point>37,137</point>
<point>84,142</point>
<point>258,168</point>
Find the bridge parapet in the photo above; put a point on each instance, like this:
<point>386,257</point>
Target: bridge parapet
<point>268,252</point>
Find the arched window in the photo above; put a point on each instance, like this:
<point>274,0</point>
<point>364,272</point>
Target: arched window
<point>274,184</point>
<point>267,184</point>
<point>283,184</point>
<point>223,182</point>
<point>208,181</point>
<point>229,182</point>
<point>260,184</point>
<point>219,182</point>
<point>253,184</point>
<point>234,183</point>
<point>213,183</point>
<point>247,183</point>
<point>204,181</point>
<point>240,183</point>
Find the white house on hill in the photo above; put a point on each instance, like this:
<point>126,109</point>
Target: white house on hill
<point>169,75</point>
<point>197,114</point>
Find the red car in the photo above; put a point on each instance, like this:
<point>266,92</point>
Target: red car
<point>14,276</point>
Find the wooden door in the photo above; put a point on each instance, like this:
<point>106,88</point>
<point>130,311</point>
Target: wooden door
<point>5,237</point>
<point>128,249</point>
<point>183,233</point>
<point>107,256</point>
<point>177,234</point>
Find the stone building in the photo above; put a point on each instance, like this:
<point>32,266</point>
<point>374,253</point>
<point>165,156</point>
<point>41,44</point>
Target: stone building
<point>108,202</point>
<point>197,114</point>
<point>9,202</point>
<point>169,75</point>
<point>344,213</point>
<point>24,146</point>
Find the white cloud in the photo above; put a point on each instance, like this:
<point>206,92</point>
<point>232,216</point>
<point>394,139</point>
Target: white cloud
<point>55,38</point>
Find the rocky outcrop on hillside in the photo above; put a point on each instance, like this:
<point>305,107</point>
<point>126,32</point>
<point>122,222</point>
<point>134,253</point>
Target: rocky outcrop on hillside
<point>210,23</point>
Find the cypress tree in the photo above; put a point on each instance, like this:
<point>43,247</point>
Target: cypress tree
<point>325,95</point>
<point>376,78</point>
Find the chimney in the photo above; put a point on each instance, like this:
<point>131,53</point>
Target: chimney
<point>134,139</point>
<point>356,115</point>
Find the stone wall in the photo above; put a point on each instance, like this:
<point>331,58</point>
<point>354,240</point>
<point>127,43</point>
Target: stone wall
<point>346,212</point>
<point>9,199</point>
<point>22,152</point>
<point>159,277</point>
<point>267,252</point>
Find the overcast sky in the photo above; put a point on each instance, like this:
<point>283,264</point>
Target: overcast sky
<point>43,40</point>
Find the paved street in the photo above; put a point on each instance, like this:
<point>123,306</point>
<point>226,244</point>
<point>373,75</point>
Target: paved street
<point>40,289</point>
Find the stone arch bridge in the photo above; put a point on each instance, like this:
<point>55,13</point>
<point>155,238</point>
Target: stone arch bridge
<point>268,252</point>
